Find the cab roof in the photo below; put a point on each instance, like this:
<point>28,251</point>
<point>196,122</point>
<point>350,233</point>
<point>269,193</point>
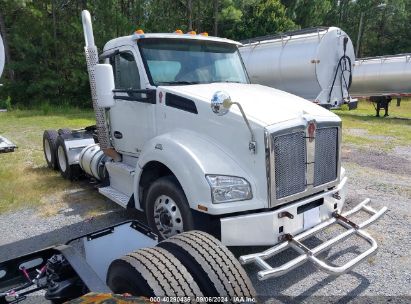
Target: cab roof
<point>132,38</point>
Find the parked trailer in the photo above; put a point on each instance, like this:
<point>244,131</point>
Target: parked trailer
<point>2,56</point>
<point>382,79</point>
<point>182,136</point>
<point>5,144</point>
<point>128,259</point>
<point>315,64</point>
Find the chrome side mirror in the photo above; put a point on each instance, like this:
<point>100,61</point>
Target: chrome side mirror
<point>221,103</point>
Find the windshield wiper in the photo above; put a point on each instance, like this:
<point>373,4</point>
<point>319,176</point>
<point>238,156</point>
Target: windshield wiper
<point>177,82</point>
<point>226,81</point>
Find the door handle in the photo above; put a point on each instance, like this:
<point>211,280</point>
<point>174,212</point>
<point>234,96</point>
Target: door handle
<point>118,135</point>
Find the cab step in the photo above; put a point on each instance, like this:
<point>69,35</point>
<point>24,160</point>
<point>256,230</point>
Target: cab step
<point>121,177</point>
<point>115,195</point>
<point>121,167</point>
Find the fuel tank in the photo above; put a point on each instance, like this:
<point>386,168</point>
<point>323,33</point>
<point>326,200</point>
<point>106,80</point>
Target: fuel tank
<point>92,160</point>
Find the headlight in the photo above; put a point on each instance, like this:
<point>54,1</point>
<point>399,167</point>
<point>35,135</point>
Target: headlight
<point>229,188</point>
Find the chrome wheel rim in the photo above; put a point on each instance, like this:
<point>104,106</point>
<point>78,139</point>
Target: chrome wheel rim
<point>47,150</point>
<point>62,159</point>
<point>167,217</point>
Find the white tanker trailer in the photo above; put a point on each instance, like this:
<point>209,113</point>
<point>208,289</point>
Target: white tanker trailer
<point>381,79</point>
<point>5,144</point>
<point>2,57</point>
<point>315,64</point>
<point>385,75</point>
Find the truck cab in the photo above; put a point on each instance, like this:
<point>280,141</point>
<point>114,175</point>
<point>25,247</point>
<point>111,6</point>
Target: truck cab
<point>203,148</point>
<point>156,62</point>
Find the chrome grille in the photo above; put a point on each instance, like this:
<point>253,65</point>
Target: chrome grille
<point>326,156</point>
<point>289,164</point>
<point>300,166</point>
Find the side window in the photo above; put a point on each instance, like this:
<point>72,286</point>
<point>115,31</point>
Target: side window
<point>125,69</point>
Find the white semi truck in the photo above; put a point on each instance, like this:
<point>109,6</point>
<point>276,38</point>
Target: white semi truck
<point>314,63</point>
<point>183,136</point>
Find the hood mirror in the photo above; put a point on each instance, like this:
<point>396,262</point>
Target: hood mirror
<point>221,103</point>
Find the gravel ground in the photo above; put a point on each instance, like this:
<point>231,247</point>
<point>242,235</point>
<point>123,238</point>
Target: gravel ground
<point>385,178</point>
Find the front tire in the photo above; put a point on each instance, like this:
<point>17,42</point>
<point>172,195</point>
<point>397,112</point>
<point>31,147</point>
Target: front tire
<point>167,210</point>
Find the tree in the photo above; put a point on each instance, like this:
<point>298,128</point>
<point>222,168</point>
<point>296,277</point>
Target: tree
<point>307,13</point>
<point>243,19</point>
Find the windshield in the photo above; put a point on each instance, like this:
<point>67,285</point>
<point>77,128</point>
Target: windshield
<point>184,61</point>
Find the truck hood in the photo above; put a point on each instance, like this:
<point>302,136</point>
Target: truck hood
<point>263,105</point>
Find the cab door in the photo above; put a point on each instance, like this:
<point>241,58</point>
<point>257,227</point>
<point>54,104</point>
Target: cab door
<point>131,122</point>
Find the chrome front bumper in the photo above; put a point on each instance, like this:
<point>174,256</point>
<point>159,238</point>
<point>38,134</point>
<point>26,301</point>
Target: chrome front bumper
<point>310,254</point>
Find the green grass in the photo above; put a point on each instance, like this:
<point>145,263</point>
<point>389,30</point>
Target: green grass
<point>24,178</point>
<point>362,128</point>
<point>366,108</point>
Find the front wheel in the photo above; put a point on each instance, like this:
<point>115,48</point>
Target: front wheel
<point>167,209</point>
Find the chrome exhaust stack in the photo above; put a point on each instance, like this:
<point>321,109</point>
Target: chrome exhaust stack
<point>92,60</point>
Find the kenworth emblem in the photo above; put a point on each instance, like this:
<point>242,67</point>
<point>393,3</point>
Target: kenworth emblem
<point>311,130</point>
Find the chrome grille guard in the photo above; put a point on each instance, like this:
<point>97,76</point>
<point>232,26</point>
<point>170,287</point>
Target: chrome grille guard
<point>310,254</point>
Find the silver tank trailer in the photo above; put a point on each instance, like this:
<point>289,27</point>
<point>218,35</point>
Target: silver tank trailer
<point>2,56</point>
<point>303,63</point>
<point>382,76</point>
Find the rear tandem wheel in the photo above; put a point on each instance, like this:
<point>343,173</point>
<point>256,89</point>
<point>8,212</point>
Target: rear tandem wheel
<point>49,148</point>
<point>68,171</point>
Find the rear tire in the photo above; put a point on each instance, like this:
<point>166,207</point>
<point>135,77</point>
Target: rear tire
<point>68,171</point>
<point>64,131</point>
<point>151,272</point>
<point>49,148</point>
<point>214,268</point>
